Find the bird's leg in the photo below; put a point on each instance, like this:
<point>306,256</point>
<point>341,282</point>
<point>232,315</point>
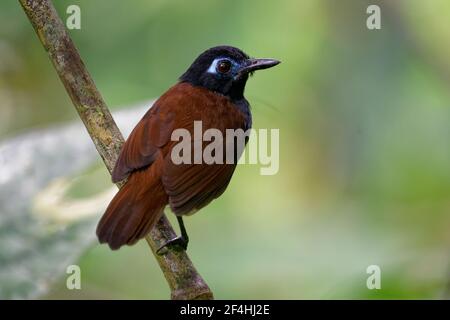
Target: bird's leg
<point>181,241</point>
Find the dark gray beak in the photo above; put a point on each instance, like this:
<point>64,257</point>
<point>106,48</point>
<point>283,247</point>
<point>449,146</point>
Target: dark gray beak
<point>258,64</point>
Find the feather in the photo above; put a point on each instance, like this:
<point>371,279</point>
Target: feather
<point>154,180</point>
<point>135,209</point>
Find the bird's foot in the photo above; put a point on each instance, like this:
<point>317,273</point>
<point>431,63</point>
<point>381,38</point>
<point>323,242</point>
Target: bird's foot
<point>180,243</point>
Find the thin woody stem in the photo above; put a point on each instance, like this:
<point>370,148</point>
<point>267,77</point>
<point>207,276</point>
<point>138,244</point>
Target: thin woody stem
<point>183,279</point>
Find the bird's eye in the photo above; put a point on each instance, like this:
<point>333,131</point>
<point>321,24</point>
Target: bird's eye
<point>224,66</point>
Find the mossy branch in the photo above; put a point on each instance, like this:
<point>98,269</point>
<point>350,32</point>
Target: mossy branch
<point>183,279</point>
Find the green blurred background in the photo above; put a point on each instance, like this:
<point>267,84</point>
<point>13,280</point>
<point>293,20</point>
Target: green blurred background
<point>364,119</point>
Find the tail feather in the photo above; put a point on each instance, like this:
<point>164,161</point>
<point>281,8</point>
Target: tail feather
<point>133,211</point>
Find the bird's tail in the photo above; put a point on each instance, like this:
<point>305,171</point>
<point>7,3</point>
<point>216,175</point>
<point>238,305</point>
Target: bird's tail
<point>133,211</point>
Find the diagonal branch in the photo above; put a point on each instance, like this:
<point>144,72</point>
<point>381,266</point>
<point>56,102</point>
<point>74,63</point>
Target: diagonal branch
<point>181,275</point>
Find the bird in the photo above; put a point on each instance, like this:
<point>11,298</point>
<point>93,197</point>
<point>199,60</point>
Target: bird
<point>211,90</point>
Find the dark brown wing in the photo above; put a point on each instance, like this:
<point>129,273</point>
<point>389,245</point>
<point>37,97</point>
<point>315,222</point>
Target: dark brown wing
<point>145,141</point>
<point>190,187</point>
<point>140,202</point>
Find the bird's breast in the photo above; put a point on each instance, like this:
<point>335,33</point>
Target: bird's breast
<point>244,107</point>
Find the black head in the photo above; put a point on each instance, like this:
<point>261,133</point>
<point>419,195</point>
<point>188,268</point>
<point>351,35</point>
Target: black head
<point>224,69</point>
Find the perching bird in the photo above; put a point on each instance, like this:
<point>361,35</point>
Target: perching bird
<point>211,91</point>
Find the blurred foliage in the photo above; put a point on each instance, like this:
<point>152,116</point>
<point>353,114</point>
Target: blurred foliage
<point>364,120</point>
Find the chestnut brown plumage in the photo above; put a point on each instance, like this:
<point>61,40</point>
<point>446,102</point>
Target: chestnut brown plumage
<point>210,91</point>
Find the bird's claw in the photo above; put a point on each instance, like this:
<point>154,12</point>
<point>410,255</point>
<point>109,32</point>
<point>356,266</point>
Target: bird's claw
<point>178,242</point>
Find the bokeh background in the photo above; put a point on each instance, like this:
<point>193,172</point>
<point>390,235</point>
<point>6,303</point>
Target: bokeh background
<point>364,119</point>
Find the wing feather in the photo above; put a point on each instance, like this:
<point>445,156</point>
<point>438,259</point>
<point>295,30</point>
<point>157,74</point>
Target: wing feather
<point>145,141</point>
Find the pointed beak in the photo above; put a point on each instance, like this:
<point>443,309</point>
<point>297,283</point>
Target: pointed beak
<point>258,64</point>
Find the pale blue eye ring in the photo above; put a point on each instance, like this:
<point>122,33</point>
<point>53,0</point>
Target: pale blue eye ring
<point>219,66</point>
